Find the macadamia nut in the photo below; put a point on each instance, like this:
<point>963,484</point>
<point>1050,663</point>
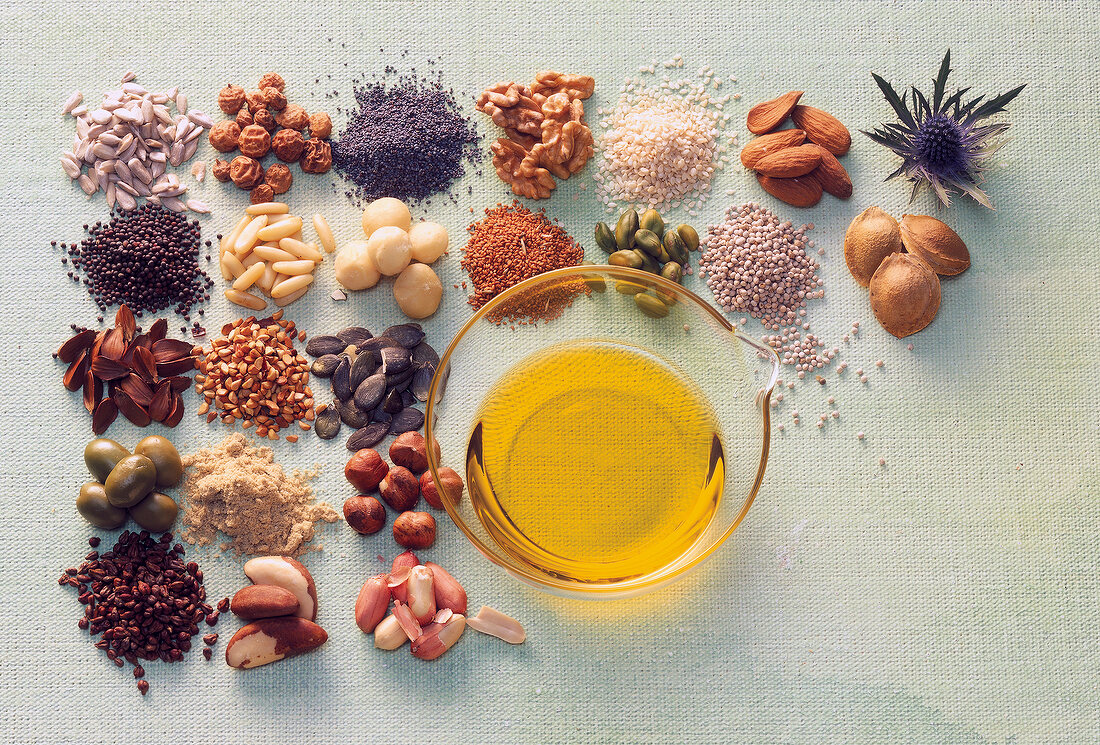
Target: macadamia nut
<point>418,291</point>
<point>383,212</point>
<point>354,268</point>
<point>429,241</point>
<point>389,248</point>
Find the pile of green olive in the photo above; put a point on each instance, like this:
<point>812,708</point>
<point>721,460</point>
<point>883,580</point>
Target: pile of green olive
<point>643,242</point>
<point>126,484</point>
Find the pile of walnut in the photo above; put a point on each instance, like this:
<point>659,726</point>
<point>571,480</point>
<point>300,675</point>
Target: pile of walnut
<point>545,128</point>
<point>266,123</point>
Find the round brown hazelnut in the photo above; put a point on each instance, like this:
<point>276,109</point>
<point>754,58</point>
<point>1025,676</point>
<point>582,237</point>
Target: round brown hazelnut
<point>245,172</point>
<point>265,119</point>
<point>410,450</point>
<point>279,178</point>
<point>255,101</point>
<point>231,99</point>
<point>320,125</point>
<point>220,170</point>
<point>400,489</point>
<point>274,98</point>
<point>254,141</point>
<point>272,80</point>
<point>224,136</point>
<point>244,118</point>
<point>287,144</point>
<point>452,487</point>
<point>364,514</point>
<point>365,469</point>
<point>293,117</point>
<point>262,193</point>
<point>414,530</point>
<point>317,156</point>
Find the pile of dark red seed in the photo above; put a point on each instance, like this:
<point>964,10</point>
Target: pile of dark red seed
<point>407,138</point>
<point>145,601</point>
<point>147,258</point>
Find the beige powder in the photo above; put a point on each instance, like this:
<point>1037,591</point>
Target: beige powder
<point>238,489</point>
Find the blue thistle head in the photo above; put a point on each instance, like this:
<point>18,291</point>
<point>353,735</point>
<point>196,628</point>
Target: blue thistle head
<point>941,142</point>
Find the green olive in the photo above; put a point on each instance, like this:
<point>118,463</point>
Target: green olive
<point>156,513</point>
<point>130,480</point>
<point>626,258</point>
<point>101,456</point>
<point>93,506</point>
<point>689,237</point>
<point>651,220</point>
<point>164,456</point>
<point>625,229</point>
<point>677,250</point>
<point>651,306</point>
<point>647,241</point>
<point>605,239</point>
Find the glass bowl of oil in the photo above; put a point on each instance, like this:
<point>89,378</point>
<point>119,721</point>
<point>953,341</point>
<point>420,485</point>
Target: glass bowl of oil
<point>606,451</point>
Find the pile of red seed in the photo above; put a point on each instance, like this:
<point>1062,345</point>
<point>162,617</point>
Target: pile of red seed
<point>512,244</point>
<point>145,601</point>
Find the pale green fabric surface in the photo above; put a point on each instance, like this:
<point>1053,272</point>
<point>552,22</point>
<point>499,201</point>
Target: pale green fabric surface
<point>950,597</point>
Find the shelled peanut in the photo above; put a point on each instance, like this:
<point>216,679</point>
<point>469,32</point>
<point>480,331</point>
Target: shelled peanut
<point>266,250</point>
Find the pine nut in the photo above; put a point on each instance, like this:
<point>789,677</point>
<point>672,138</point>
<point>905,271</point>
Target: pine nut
<point>244,299</point>
<point>249,276</point>
<point>294,268</point>
<point>267,208</point>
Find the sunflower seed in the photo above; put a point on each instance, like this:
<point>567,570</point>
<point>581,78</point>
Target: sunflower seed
<point>181,103</point>
<point>200,119</point>
<point>72,102</point>
<point>70,166</point>
<point>198,206</point>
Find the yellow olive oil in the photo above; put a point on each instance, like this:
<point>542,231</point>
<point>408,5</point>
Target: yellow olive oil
<point>595,462</point>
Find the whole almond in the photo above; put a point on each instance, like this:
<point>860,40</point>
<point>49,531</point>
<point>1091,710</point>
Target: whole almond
<point>263,601</point>
<point>832,175</point>
<point>905,294</point>
<point>935,244</point>
<point>801,191</point>
<point>790,162</point>
<point>823,128</point>
<point>767,144</point>
<point>764,117</point>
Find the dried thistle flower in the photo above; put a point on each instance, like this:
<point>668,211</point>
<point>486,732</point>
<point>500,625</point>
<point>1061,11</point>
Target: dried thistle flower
<point>942,144</point>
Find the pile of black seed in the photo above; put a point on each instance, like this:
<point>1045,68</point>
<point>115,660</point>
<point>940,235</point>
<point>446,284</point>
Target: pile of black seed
<point>406,138</point>
<point>146,258</point>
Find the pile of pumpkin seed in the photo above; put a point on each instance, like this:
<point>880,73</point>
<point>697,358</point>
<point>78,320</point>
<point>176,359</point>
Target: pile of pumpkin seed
<point>643,242</point>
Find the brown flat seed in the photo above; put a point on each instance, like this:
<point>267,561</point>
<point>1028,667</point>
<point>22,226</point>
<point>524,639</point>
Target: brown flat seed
<point>161,405</point>
<point>144,364</point>
<point>136,414</point>
<point>107,368</point>
<point>104,416</point>
<point>114,344</point>
<point>158,330</point>
<point>74,346</point>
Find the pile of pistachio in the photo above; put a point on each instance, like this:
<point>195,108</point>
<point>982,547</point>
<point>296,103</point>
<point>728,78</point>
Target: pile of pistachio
<point>642,242</point>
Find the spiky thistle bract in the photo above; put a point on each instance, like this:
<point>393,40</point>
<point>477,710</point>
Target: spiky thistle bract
<point>942,143</point>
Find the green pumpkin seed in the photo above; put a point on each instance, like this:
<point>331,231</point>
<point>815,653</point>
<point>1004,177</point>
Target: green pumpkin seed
<point>650,305</point>
<point>628,288</point>
<point>651,220</point>
<point>605,239</point>
<point>648,241</point>
<point>672,272</point>
<point>630,259</point>
<point>649,264</point>
<point>625,230</point>
<point>689,237</point>
<point>674,245</point>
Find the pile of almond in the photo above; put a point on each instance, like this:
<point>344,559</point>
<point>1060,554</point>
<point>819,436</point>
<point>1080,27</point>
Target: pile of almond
<point>797,165</point>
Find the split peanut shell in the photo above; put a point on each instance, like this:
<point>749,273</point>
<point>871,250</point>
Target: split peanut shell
<point>905,294</point>
<point>872,236</point>
<point>935,244</point>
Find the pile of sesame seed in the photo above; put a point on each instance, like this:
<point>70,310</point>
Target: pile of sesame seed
<point>664,141</point>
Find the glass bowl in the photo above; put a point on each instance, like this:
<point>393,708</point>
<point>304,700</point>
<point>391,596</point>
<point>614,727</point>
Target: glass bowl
<point>735,374</point>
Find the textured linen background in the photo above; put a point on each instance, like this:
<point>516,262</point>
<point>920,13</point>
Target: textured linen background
<point>950,597</point>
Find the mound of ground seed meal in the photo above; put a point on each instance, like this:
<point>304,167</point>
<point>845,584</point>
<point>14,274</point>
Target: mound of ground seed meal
<point>238,489</point>
<point>406,138</point>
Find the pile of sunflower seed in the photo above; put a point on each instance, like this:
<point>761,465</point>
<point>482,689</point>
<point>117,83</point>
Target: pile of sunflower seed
<point>128,143</point>
<point>376,381</point>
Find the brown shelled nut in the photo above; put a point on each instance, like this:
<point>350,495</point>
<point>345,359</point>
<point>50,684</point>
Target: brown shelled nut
<point>272,80</point>
<point>400,488</point>
<point>317,157</point>
<point>320,125</point>
<point>293,117</point>
<point>365,470</point>
<point>224,136</point>
<point>288,144</point>
<point>220,169</point>
<point>274,98</point>
<point>261,194</point>
<point>414,530</point>
<point>410,450</point>
<point>265,119</point>
<point>231,99</point>
<point>452,487</point>
<point>255,101</point>
<point>255,142</point>
<point>364,514</point>
<point>245,172</point>
<point>244,118</point>
<point>278,177</point>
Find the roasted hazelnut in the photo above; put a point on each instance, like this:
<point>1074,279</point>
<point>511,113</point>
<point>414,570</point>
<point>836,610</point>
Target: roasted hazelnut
<point>320,125</point>
<point>414,530</point>
<point>274,98</point>
<point>272,80</point>
<point>452,487</point>
<point>254,141</point>
<point>364,514</point>
<point>265,119</point>
<point>278,177</point>
<point>410,450</point>
<point>287,144</point>
<point>255,101</point>
<point>244,118</point>
<point>365,469</point>
<point>220,170</point>
<point>262,193</point>
<point>231,99</point>
<point>224,136</point>
<point>317,156</point>
<point>400,489</point>
<point>293,117</point>
<point>245,172</point>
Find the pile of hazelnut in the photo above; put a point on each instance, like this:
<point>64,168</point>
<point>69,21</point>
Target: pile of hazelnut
<point>266,123</point>
<point>401,486</point>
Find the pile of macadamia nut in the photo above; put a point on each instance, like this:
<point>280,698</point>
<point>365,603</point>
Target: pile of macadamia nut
<point>395,247</point>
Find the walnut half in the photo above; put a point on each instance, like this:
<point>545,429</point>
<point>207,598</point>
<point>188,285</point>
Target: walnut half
<point>519,168</point>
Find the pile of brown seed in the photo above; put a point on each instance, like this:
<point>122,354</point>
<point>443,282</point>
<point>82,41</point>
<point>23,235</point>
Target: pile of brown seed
<point>252,373</point>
